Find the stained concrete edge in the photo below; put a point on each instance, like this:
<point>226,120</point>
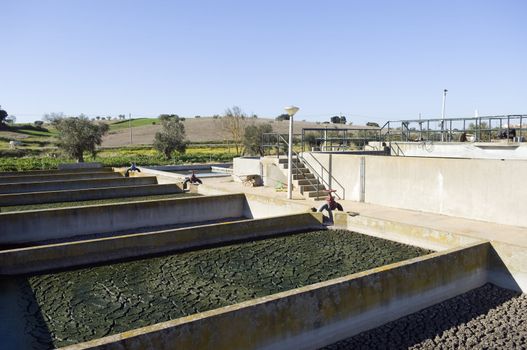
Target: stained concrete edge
<point>65,255</point>
<point>507,267</point>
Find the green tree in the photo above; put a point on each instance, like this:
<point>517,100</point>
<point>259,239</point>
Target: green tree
<point>3,117</point>
<point>310,139</point>
<point>335,119</point>
<point>77,135</point>
<point>282,117</point>
<point>252,139</point>
<point>171,137</point>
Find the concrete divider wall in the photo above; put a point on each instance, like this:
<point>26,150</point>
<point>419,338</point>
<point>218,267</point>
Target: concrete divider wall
<point>343,168</point>
<point>420,236</point>
<point>318,314</point>
<point>87,194</point>
<point>46,224</point>
<point>480,150</point>
<point>489,190</point>
<point>53,171</point>
<point>65,255</point>
<point>480,189</point>
<point>75,184</point>
<point>506,266</point>
<point>68,166</point>
<point>263,207</point>
<point>58,177</point>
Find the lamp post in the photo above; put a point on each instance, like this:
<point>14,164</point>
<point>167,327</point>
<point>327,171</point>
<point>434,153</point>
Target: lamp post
<point>291,110</point>
<point>443,116</point>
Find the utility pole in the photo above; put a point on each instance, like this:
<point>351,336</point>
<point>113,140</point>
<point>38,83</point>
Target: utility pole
<point>443,116</point>
<point>130,126</point>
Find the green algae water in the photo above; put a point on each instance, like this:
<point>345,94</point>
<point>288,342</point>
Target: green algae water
<point>69,307</point>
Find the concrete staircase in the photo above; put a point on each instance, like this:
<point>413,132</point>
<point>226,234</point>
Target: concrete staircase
<point>303,179</point>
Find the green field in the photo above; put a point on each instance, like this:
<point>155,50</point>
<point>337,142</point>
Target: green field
<point>123,124</point>
<point>38,150</point>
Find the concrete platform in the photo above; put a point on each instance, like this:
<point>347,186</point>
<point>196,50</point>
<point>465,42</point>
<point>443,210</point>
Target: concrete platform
<point>58,177</point>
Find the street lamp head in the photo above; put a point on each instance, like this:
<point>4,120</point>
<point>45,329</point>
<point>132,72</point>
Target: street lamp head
<point>445,91</point>
<point>291,110</point>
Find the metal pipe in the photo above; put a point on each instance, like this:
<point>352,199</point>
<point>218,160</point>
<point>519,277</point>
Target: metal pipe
<point>443,116</point>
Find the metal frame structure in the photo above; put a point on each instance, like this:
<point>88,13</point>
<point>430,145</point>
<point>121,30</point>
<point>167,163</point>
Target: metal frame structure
<point>340,139</point>
<point>479,129</point>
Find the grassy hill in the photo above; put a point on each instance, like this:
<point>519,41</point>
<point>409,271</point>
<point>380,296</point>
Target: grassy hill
<point>198,130</point>
<point>28,135</point>
<point>204,129</point>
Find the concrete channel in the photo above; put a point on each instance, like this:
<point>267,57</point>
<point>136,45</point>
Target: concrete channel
<point>58,177</point>
<point>16,199</point>
<point>70,184</point>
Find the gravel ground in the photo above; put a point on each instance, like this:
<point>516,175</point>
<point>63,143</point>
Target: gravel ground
<point>73,306</point>
<point>484,318</point>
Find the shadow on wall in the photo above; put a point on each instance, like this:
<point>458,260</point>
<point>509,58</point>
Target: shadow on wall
<point>22,323</point>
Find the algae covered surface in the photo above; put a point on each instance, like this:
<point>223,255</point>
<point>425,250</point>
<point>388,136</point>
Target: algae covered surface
<point>69,307</point>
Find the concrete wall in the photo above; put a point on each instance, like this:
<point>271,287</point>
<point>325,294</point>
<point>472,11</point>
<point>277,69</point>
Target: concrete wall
<point>340,171</point>
<point>480,189</point>
<point>58,177</point>
<point>263,207</point>
<point>246,166</point>
<point>266,167</point>
<point>479,150</point>
<point>506,266</point>
<point>272,174</point>
<point>67,166</point>
<point>47,224</point>
<point>65,255</point>
<point>86,194</point>
<point>318,314</point>
<point>52,171</point>
<point>75,184</point>
<point>488,190</point>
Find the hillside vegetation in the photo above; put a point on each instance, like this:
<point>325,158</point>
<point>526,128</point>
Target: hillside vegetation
<point>208,143</point>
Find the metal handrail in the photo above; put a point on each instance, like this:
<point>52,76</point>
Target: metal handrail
<point>312,169</point>
<point>483,127</point>
<point>311,183</point>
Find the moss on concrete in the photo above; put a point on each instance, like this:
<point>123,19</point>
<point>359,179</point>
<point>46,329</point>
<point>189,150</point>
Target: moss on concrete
<point>73,306</point>
<point>7,209</point>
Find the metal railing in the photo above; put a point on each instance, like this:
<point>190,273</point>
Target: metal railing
<point>279,141</point>
<point>331,179</point>
<point>476,129</point>
<point>338,139</point>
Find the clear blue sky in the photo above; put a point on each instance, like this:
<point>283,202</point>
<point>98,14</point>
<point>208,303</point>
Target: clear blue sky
<point>371,60</point>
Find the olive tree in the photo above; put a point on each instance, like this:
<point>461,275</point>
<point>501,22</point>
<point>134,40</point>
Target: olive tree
<point>252,139</point>
<point>171,137</point>
<point>77,135</point>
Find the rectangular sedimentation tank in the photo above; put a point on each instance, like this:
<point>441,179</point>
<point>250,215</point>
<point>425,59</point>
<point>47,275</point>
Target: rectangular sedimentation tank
<point>60,185</point>
<point>70,307</point>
